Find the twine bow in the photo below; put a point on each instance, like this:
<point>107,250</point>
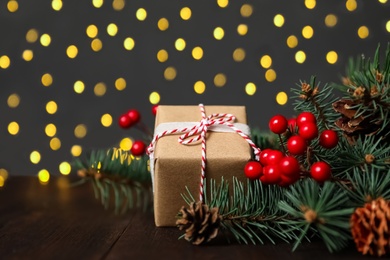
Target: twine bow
<point>198,132</point>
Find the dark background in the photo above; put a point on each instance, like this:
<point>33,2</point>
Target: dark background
<point>143,72</point>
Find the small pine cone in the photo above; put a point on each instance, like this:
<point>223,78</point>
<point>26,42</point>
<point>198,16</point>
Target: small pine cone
<point>370,227</point>
<point>200,223</point>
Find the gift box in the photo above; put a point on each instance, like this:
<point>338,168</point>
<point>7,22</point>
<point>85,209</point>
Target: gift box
<point>176,166</point>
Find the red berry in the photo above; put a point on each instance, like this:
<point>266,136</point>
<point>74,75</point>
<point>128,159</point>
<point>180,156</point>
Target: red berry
<point>124,121</point>
<point>134,116</point>
<point>272,173</point>
<point>289,166</point>
<point>138,148</point>
<point>278,124</point>
<point>274,156</point>
<point>154,109</point>
<point>253,170</point>
<point>329,139</point>
<point>264,156</point>
<point>296,145</point>
<point>264,179</point>
<point>286,181</point>
<point>292,123</point>
<point>308,131</point>
<point>320,171</point>
<point>306,117</point>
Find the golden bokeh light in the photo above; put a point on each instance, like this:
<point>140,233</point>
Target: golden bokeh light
<point>120,84</point>
<point>118,5</point>
<point>331,57</point>
<point>96,45</point>
<point>363,32</point>
<point>239,54</point>
<point>92,31</point>
<point>76,150</point>
<point>382,1</point>
<point>97,3</point>
<point>141,14</point>
<point>310,4</point>
<point>170,73</point>
<point>13,100</point>
<point>32,35</point>
<point>185,13</point>
<point>351,5</point>
<point>28,55</point>
<point>5,62</point>
<point>242,29</point>
<point>270,75</point>
<point>197,53</point>
<point>199,87</point>
<point>163,24</point>
<point>2,181</point>
<point>50,130</point>
<point>218,33</point>
<point>220,80</point>
<point>250,89</point>
<point>72,51</point>
<point>154,98</point>
<point>13,128</point>
<point>112,29</point>
<point>35,157</point>
<point>51,107</point>
<point>180,44</point>
<point>56,5</point>
<point>292,41</point>
<point>331,20</point>
<point>43,176</point>
<point>300,56</point>
<point>65,168</point>
<point>80,131</point>
<point>162,55</point>
<point>266,61</point>
<point>46,79</point>
<point>45,39</point>
<point>100,89</point>
<point>223,3</point>
<point>55,143</point>
<point>281,98</point>
<point>106,120</point>
<point>12,6</point>
<point>246,10</point>
<point>126,144</point>
<point>79,87</point>
<point>307,32</point>
<point>4,173</point>
<point>129,43</point>
<point>279,20</point>
<point>388,26</point>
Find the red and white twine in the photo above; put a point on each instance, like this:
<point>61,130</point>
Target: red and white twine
<point>198,132</point>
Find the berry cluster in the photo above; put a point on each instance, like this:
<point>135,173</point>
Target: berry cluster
<point>284,169</point>
<point>133,118</point>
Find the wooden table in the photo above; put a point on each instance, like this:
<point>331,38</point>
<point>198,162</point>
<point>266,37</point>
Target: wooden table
<point>55,221</point>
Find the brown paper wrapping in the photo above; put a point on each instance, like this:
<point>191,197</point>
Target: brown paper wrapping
<point>178,166</point>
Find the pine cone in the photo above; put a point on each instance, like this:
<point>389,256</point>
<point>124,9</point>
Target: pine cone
<point>370,227</point>
<point>200,223</point>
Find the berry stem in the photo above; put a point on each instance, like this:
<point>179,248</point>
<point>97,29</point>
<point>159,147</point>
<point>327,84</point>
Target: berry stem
<point>143,128</point>
<point>281,144</point>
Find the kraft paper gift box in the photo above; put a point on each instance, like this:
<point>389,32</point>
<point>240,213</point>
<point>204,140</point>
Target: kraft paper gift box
<point>176,166</point>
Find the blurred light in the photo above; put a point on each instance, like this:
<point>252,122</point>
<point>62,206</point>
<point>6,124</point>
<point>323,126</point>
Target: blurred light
<point>281,98</point>
<point>51,107</point>
<point>43,176</point>
<point>112,29</point>
<point>32,35</point>
<point>292,41</point>
<point>120,84</point>
<point>45,40</point>
<point>330,20</point>
<point>242,29</point>
<point>199,87</point>
<point>220,80</point>
<point>382,1</point>
<point>250,89</point>
<point>35,157</point>
<point>170,73</point>
<point>222,3</point>
<point>307,32</point>
<point>96,45</point>
<point>76,150</point>
<point>185,13</point>
<point>246,10</point>
<point>162,55</point>
<point>92,31</point>
<point>100,89</point>
<point>2,181</point>
<point>56,5</point>
<point>78,87</point>
<point>180,44</point>
<point>279,20</point>
<point>197,53</point>
<point>27,55</point>
<point>13,128</point>
<point>388,26</point>
<point>141,14</point>
<point>72,51</point>
<point>363,32</point>
<point>55,144</point>
<point>331,57</point>
<point>126,144</point>
<point>218,33</point>
<point>47,80</point>
<point>12,6</point>
<point>106,120</point>
<point>97,3</point>
<point>4,173</point>
<point>239,54</point>
<point>118,5</point>
<point>50,130</point>
<point>154,98</point>
<point>65,168</point>
<point>300,56</point>
<point>80,131</point>
<point>270,75</point>
<point>5,62</point>
<point>163,24</point>
<point>266,61</point>
<point>129,43</point>
<point>13,100</point>
<point>351,5</point>
<point>310,4</point>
